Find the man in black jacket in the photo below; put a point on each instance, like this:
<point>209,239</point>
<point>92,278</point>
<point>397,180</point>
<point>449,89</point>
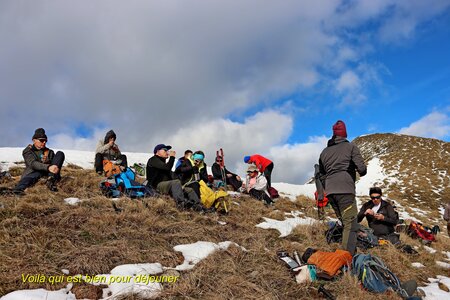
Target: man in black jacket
<point>380,215</point>
<point>40,161</point>
<point>339,162</point>
<point>159,177</point>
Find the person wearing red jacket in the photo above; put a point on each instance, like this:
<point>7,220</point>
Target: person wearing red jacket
<point>263,164</point>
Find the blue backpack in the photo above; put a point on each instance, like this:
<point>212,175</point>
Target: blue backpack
<point>374,275</point>
<point>124,183</point>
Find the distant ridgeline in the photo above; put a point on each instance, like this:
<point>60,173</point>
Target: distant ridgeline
<point>417,169</point>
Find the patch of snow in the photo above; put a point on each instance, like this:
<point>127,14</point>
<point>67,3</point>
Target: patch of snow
<point>291,191</point>
<point>85,159</point>
<point>432,290</point>
<point>72,201</point>
<point>65,271</point>
<point>417,265</point>
<point>222,223</point>
<point>285,227</point>
<point>294,213</point>
<point>442,264</point>
<point>430,250</point>
<point>375,176</point>
<point>446,253</point>
<point>194,253</point>
<point>40,294</point>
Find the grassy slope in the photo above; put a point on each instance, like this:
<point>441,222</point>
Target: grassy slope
<point>40,234</point>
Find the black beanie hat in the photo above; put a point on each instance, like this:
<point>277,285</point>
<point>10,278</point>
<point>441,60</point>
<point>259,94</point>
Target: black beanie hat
<point>110,134</point>
<point>375,190</point>
<point>39,134</point>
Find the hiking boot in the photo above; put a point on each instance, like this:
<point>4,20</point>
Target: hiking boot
<point>51,184</point>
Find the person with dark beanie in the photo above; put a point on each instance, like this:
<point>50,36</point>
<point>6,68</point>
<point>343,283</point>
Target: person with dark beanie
<point>107,149</point>
<point>380,216</point>
<point>338,163</point>
<point>40,161</point>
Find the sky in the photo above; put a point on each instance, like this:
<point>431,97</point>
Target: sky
<point>267,77</point>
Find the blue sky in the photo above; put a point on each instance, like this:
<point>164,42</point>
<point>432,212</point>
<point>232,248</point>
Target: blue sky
<point>234,74</point>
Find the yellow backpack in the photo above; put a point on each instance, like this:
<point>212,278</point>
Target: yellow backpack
<point>219,199</point>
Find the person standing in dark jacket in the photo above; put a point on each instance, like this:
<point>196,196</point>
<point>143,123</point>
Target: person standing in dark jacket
<point>40,161</point>
<point>339,162</point>
<point>223,174</point>
<point>380,215</point>
<point>159,177</point>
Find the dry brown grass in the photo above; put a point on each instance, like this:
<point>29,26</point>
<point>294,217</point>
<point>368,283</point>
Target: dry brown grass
<point>40,234</point>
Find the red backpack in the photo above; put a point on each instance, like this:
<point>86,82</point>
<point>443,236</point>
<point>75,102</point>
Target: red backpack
<point>416,230</point>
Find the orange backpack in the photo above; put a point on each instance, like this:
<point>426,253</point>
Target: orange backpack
<point>330,262</point>
<point>110,169</point>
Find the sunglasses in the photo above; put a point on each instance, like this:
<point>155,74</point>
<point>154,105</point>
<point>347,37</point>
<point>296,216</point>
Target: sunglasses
<point>219,160</point>
<point>376,197</point>
<point>42,140</point>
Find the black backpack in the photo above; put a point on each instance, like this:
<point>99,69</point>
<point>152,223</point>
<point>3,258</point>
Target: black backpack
<point>365,237</point>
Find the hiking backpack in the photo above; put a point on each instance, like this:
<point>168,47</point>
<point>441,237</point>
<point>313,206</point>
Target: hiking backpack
<point>124,183</point>
<point>416,230</point>
<point>273,193</point>
<point>109,168</point>
<point>365,237</point>
<point>218,199</point>
<point>375,275</point>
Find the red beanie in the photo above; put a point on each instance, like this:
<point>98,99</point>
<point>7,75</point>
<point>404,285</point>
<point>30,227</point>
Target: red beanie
<point>339,129</point>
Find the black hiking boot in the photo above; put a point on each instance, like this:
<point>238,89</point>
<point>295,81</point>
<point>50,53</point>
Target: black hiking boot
<point>51,184</point>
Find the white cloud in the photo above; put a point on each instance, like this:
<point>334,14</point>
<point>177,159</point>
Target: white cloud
<point>162,70</point>
<point>348,81</point>
<point>295,163</point>
<point>433,125</point>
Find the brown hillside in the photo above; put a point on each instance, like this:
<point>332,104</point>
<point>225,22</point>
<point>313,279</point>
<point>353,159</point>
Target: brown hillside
<point>418,169</point>
<point>40,234</point>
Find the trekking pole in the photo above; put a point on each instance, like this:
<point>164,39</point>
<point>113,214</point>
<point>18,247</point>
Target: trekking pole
<point>326,293</point>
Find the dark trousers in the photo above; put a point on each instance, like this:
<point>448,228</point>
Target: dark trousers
<point>174,189</point>
<point>30,179</point>
<point>234,182</point>
<point>268,174</point>
<point>260,195</point>
<point>195,186</point>
<point>98,164</point>
<point>345,208</point>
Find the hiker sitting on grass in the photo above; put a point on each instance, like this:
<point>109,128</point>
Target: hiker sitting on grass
<point>380,215</point>
<point>159,177</point>
<point>263,164</point>
<point>221,173</point>
<point>108,150</point>
<point>256,185</point>
<point>188,153</point>
<point>192,170</point>
<point>40,161</point>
